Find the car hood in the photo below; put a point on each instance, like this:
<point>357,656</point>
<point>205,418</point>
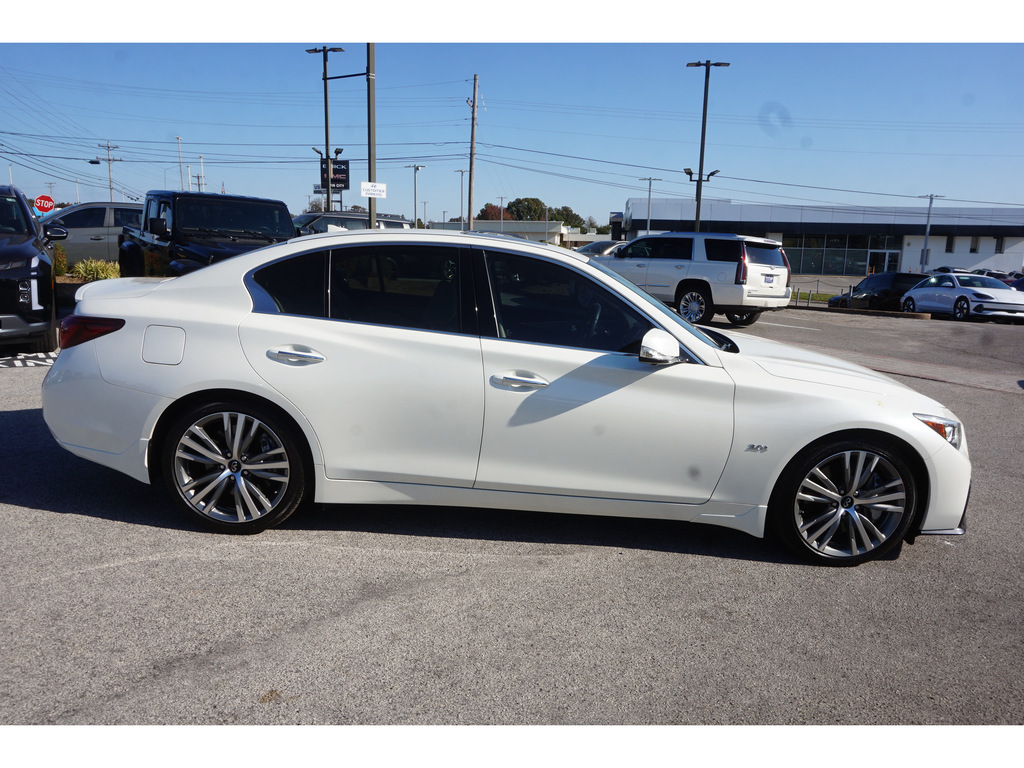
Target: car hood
<point>17,247</point>
<point>788,362</point>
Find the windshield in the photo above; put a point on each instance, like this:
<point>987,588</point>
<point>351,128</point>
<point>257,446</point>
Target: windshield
<point>980,281</point>
<point>669,315</point>
<point>12,217</point>
<point>235,217</point>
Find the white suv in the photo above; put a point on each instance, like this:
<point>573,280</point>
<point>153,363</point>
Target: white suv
<point>703,274</point>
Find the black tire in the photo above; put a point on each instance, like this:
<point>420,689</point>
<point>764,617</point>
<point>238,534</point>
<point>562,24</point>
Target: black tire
<point>694,305</point>
<point>909,305</point>
<point>48,342</point>
<point>961,308</point>
<point>244,493</point>
<point>844,503</point>
<point>743,318</point>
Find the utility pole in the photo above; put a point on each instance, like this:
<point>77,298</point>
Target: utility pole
<point>649,181</point>
<point>110,165</point>
<point>415,173</point>
<point>927,230</point>
<point>501,213</point>
<point>425,214</point>
<point>472,148</point>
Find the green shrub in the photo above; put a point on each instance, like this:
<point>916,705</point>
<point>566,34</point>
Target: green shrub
<point>95,269</point>
<point>60,260</point>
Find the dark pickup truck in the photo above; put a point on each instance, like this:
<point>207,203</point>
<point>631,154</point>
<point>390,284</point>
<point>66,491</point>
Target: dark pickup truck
<point>185,231</point>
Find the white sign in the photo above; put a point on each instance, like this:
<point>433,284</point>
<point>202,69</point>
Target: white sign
<point>373,189</point>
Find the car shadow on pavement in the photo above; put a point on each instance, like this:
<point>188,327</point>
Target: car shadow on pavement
<point>36,473</point>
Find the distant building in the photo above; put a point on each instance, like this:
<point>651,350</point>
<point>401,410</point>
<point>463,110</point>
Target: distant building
<point>849,240</point>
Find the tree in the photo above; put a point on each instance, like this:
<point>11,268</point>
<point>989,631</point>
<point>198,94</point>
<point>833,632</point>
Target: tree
<point>492,212</point>
<point>567,216</point>
<point>315,206</point>
<point>526,209</point>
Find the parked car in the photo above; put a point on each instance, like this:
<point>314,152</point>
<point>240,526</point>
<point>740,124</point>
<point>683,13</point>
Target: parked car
<point>701,275</point>
<point>882,291</point>
<point>948,270</point>
<point>28,309</point>
<point>93,228</point>
<point>1003,277</point>
<point>963,295</point>
<point>337,221</point>
<point>599,247</point>
<point>438,368</point>
<point>1018,284</point>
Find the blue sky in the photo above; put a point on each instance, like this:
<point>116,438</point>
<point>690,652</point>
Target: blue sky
<point>576,124</point>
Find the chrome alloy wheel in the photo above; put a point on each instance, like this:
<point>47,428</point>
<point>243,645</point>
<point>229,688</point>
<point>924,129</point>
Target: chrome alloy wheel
<point>850,504</point>
<point>231,467</point>
<point>692,306</point>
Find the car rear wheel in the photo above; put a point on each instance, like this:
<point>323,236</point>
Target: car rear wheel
<point>235,467</point>
<point>961,308</point>
<point>694,305</point>
<point>909,305</point>
<point>844,503</point>
<point>742,318</point>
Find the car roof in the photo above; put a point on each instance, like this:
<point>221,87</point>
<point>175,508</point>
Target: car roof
<point>715,235</point>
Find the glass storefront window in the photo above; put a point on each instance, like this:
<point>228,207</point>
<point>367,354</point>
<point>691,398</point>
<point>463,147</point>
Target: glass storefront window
<point>856,262</point>
<point>811,262</point>
<point>835,261</point>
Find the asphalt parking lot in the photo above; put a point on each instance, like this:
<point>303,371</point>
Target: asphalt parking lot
<point>118,611</point>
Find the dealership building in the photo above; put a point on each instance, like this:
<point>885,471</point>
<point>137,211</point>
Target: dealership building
<point>848,240</point>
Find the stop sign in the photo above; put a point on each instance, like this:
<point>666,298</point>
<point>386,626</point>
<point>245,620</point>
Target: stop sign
<point>44,203</point>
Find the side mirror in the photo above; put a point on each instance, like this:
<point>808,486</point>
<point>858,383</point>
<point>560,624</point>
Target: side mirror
<point>53,232</point>
<point>659,348</point>
<point>157,227</point>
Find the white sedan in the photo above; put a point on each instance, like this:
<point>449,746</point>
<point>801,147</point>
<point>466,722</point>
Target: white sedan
<point>964,296</point>
<point>481,371</point>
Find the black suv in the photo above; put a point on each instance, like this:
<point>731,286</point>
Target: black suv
<point>882,291</point>
<point>28,310</point>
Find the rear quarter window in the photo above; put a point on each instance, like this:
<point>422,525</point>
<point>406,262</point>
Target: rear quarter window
<point>723,250</point>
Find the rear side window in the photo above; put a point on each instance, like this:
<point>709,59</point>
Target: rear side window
<point>678,248</point>
<point>762,253</point>
<point>127,217</point>
<point>906,282</point>
<point>723,250</point>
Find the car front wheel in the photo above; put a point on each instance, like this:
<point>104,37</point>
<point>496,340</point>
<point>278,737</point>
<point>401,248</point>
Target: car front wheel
<point>235,467</point>
<point>961,309</point>
<point>694,305</point>
<point>844,503</point>
<point>742,318</point>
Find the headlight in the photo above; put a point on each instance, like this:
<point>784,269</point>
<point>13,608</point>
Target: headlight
<point>950,431</point>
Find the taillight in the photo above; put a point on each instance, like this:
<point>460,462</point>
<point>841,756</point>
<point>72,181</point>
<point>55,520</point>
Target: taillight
<point>741,267</point>
<point>789,272</point>
<point>78,329</point>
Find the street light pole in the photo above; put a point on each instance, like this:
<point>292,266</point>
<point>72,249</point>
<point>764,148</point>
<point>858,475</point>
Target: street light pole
<point>649,181</point>
<point>327,121</point>
<point>462,195</point>
<point>703,130</point>
<point>415,173</point>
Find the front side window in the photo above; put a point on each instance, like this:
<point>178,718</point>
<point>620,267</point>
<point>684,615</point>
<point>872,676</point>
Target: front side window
<point>542,302</point>
<point>85,218</point>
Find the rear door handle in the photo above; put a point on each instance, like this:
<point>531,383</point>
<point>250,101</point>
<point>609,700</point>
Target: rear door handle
<point>295,354</point>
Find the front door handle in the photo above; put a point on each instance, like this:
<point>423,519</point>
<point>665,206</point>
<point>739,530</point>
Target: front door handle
<point>519,380</point>
<point>295,354</point>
